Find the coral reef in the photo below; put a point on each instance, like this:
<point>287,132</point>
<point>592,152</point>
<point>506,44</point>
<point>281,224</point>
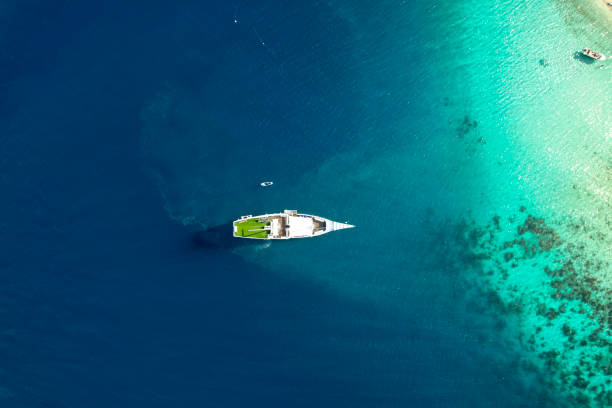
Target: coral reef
<point>556,286</point>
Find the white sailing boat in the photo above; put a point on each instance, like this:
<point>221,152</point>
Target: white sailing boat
<point>286,225</point>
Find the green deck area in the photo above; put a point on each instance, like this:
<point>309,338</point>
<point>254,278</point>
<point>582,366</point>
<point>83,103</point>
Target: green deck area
<point>251,228</point>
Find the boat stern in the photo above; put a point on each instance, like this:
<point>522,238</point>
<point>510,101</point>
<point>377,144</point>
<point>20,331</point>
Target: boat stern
<point>251,227</point>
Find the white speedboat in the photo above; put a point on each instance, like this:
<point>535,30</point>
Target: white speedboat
<point>266,183</point>
<point>593,54</point>
<point>286,225</point>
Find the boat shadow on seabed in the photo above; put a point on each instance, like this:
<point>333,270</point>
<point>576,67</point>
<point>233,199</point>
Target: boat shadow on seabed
<point>219,237</point>
<point>583,58</point>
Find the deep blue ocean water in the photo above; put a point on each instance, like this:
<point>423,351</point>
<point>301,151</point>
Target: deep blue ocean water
<point>126,129</point>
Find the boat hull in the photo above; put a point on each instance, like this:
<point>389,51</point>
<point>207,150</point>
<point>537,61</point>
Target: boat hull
<point>286,225</point>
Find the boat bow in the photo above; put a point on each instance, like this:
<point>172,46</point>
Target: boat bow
<point>335,226</point>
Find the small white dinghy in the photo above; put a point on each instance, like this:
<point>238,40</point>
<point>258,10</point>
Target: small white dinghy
<point>593,54</point>
<point>266,183</point>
